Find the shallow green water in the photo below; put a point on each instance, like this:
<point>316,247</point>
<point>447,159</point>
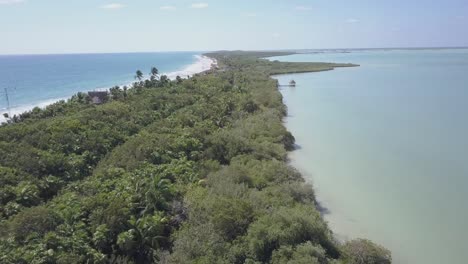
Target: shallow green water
<point>385,146</point>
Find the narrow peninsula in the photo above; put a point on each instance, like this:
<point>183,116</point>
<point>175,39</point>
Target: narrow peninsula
<point>170,171</point>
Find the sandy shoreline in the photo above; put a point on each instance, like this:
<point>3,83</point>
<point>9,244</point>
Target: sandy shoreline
<point>202,63</point>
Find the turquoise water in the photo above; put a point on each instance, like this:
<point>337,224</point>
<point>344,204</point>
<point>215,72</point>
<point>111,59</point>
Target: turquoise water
<point>385,145</point>
<point>40,79</point>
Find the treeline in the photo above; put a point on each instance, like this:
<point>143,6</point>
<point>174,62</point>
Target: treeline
<point>184,171</point>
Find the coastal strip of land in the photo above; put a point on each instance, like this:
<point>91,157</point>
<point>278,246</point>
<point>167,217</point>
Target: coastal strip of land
<point>171,171</point>
<point>202,63</point>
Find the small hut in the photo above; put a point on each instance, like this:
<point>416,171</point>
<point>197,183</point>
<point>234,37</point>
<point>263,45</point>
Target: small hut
<point>98,97</point>
<point>292,83</point>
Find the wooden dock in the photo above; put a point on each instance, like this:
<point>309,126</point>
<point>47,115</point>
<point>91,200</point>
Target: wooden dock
<point>292,83</point>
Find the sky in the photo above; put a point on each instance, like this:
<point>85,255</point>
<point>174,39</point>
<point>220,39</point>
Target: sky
<point>89,26</point>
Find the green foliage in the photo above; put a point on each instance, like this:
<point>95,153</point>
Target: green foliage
<point>145,235</point>
<point>288,226</point>
<point>184,171</point>
<point>305,253</point>
<point>32,223</point>
<point>362,251</point>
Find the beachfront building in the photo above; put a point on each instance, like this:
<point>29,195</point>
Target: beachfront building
<point>98,97</point>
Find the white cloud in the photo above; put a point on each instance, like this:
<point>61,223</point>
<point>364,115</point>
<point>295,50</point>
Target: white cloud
<point>11,2</point>
<point>113,6</point>
<point>168,7</point>
<point>352,20</point>
<point>303,8</point>
<point>276,35</point>
<point>199,5</point>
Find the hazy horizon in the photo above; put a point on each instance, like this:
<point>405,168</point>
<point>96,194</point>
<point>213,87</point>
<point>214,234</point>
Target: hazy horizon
<point>121,26</point>
<point>201,51</point>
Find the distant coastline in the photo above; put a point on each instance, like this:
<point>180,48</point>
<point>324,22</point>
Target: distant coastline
<point>202,64</point>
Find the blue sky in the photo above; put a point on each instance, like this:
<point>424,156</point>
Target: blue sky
<point>58,26</point>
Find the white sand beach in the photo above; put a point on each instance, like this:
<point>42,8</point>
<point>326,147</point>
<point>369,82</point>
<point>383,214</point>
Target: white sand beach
<point>202,63</point>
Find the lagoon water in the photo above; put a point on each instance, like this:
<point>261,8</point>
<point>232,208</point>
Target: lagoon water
<point>386,147</point>
<point>38,80</point>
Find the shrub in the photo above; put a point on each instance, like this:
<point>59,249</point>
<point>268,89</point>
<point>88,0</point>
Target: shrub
<point>362,251</point>
<point>33,221</point>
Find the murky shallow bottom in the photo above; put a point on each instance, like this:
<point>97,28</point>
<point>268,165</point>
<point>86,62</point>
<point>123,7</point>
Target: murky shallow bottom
<point>385,146</point>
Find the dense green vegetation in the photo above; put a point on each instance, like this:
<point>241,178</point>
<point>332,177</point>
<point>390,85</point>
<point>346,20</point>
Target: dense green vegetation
<point>184,171</point>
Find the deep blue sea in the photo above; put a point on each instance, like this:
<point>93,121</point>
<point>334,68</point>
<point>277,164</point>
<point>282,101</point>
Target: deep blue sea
<point>386,148</point>
<point>38,80</point>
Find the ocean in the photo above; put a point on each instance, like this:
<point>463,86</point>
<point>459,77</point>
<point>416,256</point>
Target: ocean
<point>39,80</point>
<point>385,146</point>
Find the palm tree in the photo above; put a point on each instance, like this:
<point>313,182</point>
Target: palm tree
<point>157,195</point>
<point>139,75</point>
<point>154,72</point>
<point>145,235</point>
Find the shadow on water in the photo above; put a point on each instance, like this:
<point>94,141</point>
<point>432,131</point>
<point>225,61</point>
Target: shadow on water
<point>322,209</point>
<point>296,147</point>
